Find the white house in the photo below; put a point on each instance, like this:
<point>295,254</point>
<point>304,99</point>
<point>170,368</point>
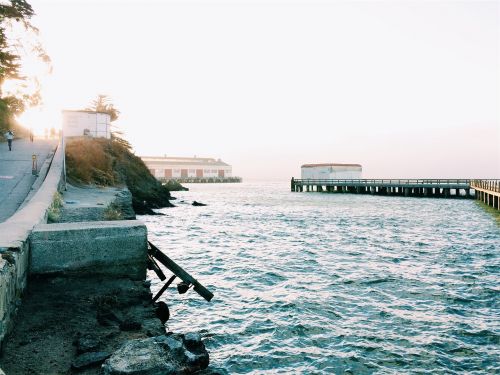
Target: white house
<point>180,167</point>
<point>90,123</point>
<point>331,171</point>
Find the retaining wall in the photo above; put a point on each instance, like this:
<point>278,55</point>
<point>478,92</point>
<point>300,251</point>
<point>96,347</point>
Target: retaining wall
<point>112,248</point>
<point>14,244</point>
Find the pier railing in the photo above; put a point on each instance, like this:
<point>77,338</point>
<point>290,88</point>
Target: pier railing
<point>462,183</point>
<point>490,185</point>
<point>487,191</point>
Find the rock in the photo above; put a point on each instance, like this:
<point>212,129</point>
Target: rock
<point>106,317</point>
<point>192,341</point>
<point>215,371</point>
<point>89,359</point>
<point>165,354</point>
<point>124,201</point>
<point>162,312</point>
<point>198,204</point>
<point>86,343</point>
<point>173,345</point>
<point>197,361</point>
<point>130,324</point>
<point>143,357</point>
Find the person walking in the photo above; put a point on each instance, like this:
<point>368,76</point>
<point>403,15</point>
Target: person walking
<point>10,136</point>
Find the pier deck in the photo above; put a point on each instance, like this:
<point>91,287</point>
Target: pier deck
<point>487,191</point>
<point>437,188</point>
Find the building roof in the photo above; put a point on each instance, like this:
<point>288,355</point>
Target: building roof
<point>184,161</point>
<point>331,165</point>
<point>85,111</point>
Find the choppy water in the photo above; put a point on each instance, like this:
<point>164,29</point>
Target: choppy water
<point>312,283</point>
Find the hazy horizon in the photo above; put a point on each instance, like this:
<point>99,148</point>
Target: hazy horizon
<point>407,88</point>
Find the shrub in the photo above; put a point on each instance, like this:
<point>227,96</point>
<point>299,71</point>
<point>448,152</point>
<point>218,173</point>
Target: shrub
<point>109,162</point>
<point>113,212</point>
<point>54,210</point>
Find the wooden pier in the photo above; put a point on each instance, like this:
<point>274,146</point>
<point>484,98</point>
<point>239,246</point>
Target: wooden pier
<point>432,188</point>
<point>487,191</point>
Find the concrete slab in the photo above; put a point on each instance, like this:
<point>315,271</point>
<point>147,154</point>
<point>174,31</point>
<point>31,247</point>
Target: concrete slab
<point>88,203</point>
<point>116,248</point>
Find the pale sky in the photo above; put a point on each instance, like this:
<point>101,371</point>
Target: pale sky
<point>405,88</point>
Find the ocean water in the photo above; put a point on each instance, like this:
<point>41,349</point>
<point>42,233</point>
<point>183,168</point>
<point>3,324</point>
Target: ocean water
<point>316,283</point>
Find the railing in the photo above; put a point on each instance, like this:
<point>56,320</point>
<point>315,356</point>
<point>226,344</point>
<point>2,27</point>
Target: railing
<point>394,182</point>
<point>491,185</point>
<point>186,180</point>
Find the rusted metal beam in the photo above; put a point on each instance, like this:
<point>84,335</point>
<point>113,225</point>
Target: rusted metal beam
<point>152,265</point>
<point>163,288</point>
<point>179,272</point>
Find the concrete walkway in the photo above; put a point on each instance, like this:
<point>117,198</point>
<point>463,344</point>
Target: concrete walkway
<point>16,178</point>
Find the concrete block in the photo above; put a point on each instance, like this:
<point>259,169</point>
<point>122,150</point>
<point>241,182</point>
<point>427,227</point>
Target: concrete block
<point>113,248</point>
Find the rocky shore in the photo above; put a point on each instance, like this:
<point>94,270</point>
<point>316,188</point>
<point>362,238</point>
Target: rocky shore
<point>96,326</point>
<point>88,324</point>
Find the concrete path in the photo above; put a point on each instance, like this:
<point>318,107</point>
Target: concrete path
<point>16,178</point>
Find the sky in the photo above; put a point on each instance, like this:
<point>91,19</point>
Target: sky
<point>408,89</point>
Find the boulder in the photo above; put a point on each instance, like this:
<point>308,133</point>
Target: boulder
<point>198,204</point>
<point>123,199</point>
<point>165,354</point>
<point>86,343</point>
<point>130,323</point>
<point>89,359</point>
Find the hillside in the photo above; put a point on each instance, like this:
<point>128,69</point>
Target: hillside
<point>110,162</point>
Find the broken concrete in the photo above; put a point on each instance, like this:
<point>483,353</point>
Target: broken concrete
<point>112,248</point>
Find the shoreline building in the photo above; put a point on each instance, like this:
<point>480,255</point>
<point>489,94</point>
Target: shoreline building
<point>194,169</point>
<point>79,123</point>
<point>331,171</point>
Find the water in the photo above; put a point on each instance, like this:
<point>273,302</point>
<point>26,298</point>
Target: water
<point>311,283</point>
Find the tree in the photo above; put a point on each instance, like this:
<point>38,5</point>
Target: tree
<point>103,104</point>
<point>12,13</point>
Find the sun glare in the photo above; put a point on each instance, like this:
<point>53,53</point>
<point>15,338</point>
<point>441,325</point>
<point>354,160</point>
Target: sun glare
<point>40,120</point>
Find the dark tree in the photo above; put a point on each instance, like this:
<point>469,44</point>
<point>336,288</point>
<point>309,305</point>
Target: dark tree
<point>11,12</point>
<point>103,104</point>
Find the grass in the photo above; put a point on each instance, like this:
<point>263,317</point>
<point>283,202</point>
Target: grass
<point>110,162</point>
<point>54,211</point>
<point>113,212</point>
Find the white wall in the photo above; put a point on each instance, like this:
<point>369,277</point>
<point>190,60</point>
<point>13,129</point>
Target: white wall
<point>75,123</point>
<point>331,173</point>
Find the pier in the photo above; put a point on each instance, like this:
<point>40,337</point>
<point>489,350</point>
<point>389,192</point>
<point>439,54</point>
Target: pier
<point>431,188</point>
<point>487,191</point>
<point>201,180</point>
